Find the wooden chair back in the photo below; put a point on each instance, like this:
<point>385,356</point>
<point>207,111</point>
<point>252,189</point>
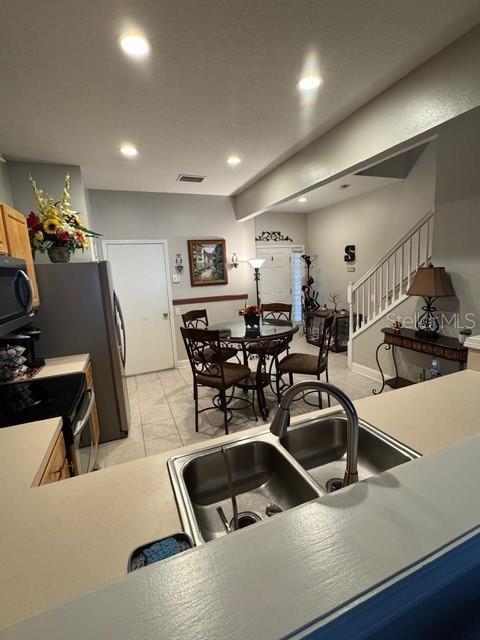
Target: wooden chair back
<point>196,319</point>
<point>277,311</point>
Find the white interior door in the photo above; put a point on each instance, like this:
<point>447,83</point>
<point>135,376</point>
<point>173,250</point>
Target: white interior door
<point>275,283</point>
<point>139,276</point>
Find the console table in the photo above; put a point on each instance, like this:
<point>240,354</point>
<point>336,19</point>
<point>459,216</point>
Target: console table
<point>441,347</point>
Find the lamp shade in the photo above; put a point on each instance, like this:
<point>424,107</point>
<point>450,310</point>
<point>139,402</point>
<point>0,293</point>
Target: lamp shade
<point>256,263</point>
<point>431,282</point>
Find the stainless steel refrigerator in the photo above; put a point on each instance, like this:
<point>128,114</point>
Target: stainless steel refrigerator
<point>80,313</point>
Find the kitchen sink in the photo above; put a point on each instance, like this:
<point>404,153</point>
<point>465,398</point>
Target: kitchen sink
<point>320,447</point>
<point>271,475</point>
<point>262,474</point>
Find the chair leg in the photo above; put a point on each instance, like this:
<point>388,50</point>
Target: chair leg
<point>320,401</point>
<point>326,376</point>
<point>253,405</point>
<point>195,397</point>
<point>223,400</point>
<point>278,378</point>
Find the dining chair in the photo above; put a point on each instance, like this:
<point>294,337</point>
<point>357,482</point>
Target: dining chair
<point>318,332</point>
<point>277,311</point>
<point>198,319</point>
<point>261,377</point>
<point>215,374</point>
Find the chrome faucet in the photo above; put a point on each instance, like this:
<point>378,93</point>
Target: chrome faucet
<point>281,420</point>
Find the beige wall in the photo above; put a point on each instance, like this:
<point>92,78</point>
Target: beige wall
<point>373,222</point>
<point>293,225</point>
<point>456,235</point>
<point>442,88</point>
<point>5,188</point>
<point>121,215</point>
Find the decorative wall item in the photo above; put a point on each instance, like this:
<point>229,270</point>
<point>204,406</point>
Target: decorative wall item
<point>207,260</point>
<point>350,253</point>
<point>272,236</point>
<point>234,260</point>
<point>179,263</point>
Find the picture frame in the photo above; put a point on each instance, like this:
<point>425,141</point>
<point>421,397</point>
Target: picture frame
<point>208,262</point>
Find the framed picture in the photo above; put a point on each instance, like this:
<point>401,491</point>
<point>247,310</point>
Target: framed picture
<point>208,262</point>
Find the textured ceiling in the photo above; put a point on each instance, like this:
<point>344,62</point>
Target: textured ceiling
<point>221,79</point>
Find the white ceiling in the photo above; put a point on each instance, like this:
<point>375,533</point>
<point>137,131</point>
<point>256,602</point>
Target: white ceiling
<point>332,193</point>
<point>221,79</point>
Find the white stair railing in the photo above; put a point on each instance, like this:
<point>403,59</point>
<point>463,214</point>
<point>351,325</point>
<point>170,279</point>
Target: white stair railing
<point>385,285</point>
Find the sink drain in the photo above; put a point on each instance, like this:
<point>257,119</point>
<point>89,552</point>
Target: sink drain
<point>334,484</point>
<point>245,519</point>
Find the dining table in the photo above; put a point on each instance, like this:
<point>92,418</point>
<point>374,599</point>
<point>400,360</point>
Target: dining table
<point>255,342</point>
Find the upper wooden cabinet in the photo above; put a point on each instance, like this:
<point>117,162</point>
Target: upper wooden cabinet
<point>15,232</point>
<point>3,237</point>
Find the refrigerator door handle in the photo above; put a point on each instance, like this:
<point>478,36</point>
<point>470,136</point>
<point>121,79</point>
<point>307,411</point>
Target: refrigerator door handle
<point>123,345</point>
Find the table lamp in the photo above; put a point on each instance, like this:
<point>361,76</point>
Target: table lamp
<point>256,263</point>
<point>430,283</point>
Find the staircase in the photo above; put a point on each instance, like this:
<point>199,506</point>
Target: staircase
<point>384,286</point>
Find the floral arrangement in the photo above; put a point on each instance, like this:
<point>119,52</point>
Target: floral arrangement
<point>55,224</point>
<point>251,310</point>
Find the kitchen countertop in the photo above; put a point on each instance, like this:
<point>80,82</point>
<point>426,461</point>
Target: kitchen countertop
<point>61,366</point>
<point>70,537</point>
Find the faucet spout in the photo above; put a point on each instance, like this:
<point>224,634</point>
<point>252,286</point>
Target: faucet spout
<point>281,420</point>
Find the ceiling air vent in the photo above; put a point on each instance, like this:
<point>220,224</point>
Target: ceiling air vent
<point>185,177</point>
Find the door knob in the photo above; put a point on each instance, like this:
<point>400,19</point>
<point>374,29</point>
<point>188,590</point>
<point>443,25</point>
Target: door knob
<point>165,315</point>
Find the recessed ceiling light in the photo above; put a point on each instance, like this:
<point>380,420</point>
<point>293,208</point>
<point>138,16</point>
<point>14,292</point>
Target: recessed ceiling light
<point>134,46</point>
<point>302,199</point>
<point>129,151</point>
<point>233,161</point>
<point>309,83</point>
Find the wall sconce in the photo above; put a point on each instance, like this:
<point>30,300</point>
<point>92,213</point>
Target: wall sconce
<point>234,260</point>
<point>179,263</point>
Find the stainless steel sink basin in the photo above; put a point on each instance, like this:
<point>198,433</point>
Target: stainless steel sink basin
<point>266,472</point>
<point>262,474</point>
<point>320,447</point>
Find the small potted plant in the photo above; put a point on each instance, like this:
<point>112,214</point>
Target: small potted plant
<point>251,315</point>
<point>56,229</point>
<point>463,334</point>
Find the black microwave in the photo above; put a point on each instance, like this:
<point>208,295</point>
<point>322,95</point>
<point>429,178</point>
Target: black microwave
<point>16,295</point>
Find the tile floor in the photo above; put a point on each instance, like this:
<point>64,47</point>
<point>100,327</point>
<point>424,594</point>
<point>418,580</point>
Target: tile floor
<point>162,413</point>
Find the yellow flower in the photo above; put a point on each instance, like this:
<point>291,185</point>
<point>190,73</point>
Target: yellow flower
<point>51,225</point>
<point>52,212</point>
<point>39,236</point>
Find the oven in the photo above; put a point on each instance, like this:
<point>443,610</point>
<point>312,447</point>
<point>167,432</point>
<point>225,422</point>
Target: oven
<point>84,445</point>
<point>16,295</point>
<point>67,397</point>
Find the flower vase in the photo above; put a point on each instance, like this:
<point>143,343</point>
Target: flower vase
<point>252,319</point>
<point>59,254</point>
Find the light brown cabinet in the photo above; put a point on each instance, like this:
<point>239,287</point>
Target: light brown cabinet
<point>15,233</point>
<point>58,467</point>
<point>3,237</point>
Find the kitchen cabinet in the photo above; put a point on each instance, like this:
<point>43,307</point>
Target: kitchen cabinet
<point>94,421</point>
<point>18,243</point>
<point>3,237</point>
<point>58,467</point>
